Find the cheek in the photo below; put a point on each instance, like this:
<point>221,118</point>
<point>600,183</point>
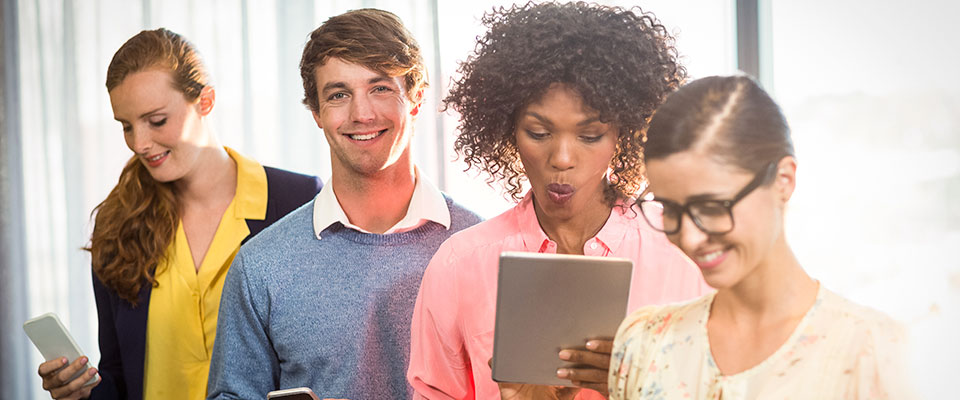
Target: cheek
<point>128,139</point>
<point>530,154</point>
<point>393,108</point>
<point>330,117</point>
<point>756,228</point>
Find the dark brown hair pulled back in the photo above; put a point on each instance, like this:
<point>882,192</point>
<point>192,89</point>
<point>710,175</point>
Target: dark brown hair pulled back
<point>137,221</point>
<point>729,117</point>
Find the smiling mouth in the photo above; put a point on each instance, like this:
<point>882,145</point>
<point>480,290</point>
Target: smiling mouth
<point>711,259</point>
<point>154,161</point>
<point>366,136</point>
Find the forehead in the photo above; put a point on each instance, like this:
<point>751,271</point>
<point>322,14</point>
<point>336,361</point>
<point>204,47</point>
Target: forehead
<point>559,95</point>
<point>560,105</point>
<point>689,173</point>
<point>142,91</point>
<point>337,71</point>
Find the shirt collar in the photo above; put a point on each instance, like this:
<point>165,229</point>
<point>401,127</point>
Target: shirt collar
<point>251,195</point>
<point>426,204</point>
<point>607,241</point>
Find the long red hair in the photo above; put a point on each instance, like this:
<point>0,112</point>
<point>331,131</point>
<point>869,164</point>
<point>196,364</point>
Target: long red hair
<point>137,221</point>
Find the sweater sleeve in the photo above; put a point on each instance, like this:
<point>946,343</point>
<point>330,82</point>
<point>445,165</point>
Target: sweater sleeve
<point>244,364</point>
<point>439,367</point>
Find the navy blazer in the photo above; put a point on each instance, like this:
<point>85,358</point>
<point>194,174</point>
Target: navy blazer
<point>123,326</point>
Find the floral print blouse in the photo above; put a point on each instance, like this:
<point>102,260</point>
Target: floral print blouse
<point>838,350</point>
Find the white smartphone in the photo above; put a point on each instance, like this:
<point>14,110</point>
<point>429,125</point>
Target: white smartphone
<point>54,341</point>
<point>300,393</point>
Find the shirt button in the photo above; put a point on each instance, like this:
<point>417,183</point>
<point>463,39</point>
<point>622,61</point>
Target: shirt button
<point>593,245</point>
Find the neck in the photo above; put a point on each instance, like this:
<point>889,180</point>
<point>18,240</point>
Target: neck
<point>213,179</point>
<point>777,288</point>
<point>376,202</point>
<point>572,233</point>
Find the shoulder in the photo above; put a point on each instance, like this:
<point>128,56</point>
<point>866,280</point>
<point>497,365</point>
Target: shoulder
<point>852,315</point>
<point>494,232</point>
<point>651,321</point>
<point>460,216</point>
<point>875,343</point>
<point>471,252</point>
<point>867,326</point>
<point>289,232</point>
<point>291,185</point>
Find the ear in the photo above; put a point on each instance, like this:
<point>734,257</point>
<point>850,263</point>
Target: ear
<point>786,178</point>
<point>418,101</point>
<point>205,102</point>
<point>316,118</point>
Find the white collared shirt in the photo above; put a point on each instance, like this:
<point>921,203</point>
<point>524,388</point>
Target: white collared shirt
<point>426,204</point>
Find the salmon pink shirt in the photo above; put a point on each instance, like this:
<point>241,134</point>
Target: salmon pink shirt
<point>453,320</point>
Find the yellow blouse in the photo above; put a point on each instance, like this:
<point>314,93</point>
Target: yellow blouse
<point>182,318</point>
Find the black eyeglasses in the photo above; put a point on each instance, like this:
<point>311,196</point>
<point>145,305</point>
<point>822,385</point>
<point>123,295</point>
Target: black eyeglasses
<point>714,217</point>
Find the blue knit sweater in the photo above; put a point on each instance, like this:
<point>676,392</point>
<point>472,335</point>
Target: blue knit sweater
<point>332,314</point>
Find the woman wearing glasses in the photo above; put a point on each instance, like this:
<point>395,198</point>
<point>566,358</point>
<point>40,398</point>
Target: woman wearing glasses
<point>721,168</point>
<point>540,101</point>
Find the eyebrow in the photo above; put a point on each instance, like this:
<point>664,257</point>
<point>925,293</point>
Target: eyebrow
<point>688,200</point>
<point>547,121</point>
<point>343,85</point>
<point>142,115</point>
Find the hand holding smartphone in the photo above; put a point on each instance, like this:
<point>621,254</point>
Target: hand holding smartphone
<point>300,393</point>
<point>54,342</point>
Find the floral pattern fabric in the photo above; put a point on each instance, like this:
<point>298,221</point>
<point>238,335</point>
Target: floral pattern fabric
<point>839,350</point>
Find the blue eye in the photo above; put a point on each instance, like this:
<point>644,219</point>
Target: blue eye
<point>381,89</point>
<point>337,96</point>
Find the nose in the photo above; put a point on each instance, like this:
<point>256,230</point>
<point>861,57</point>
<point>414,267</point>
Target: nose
<point>361,109</point>
<point>690,237</point>
<point>562,156</point>
<point>139,140</point>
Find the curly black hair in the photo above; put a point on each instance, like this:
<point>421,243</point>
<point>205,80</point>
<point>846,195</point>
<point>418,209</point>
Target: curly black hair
<point>622,62</point>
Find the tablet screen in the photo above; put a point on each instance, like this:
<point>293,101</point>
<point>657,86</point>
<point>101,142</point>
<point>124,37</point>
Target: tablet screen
<point>547,302</point>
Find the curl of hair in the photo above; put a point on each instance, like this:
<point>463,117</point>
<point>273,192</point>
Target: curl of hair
<point>373,38</point>
<point>730,118</point>
<point>133,227</point>
<point>622,62</point>
<point>137,221</point>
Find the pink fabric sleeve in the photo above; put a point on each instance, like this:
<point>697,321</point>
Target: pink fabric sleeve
<point>677,278</point>
<point>439,368</point>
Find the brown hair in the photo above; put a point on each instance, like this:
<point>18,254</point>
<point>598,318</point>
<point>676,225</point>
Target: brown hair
<point>622,62</point>
<point>373,38</point>
<point>731,118</point>
<point>137,221</point>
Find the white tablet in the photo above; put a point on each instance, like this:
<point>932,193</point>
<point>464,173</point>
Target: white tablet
<point>549,302</point>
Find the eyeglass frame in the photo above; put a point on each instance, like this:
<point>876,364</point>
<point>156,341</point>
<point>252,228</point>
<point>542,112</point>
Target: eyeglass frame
<point>758,180</point>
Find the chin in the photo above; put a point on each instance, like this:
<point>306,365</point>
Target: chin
<point>719,279</point>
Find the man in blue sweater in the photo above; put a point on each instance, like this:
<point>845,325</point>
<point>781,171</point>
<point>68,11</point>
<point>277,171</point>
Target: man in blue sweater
<point>324,297</point>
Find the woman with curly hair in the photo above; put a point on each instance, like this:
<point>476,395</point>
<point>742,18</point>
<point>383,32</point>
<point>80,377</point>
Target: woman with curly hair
<point>558,95</point>
<point>165,236</point>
